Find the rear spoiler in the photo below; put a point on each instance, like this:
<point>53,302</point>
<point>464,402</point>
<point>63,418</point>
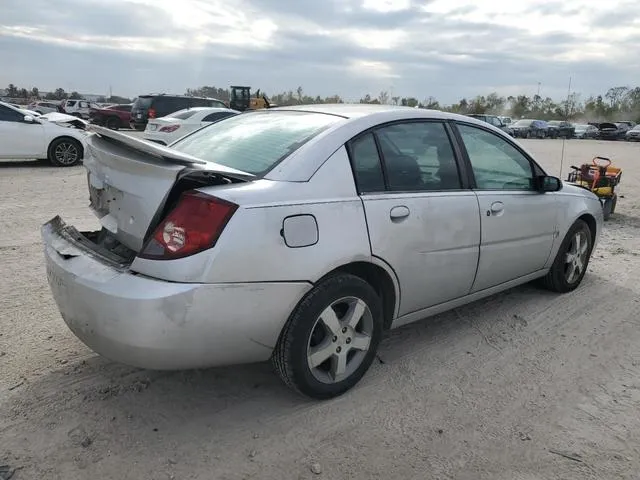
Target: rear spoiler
<point>165,153</point>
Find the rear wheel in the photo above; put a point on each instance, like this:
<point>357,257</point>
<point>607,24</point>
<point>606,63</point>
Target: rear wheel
<point>331,337</point>
<point>572,259</point>
<point>65,152</point>
<point>113,123</point>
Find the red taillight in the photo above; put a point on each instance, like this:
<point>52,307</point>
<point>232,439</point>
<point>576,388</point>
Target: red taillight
<point>194,225</point>
<point>151,113</point>
<point>170,128</point>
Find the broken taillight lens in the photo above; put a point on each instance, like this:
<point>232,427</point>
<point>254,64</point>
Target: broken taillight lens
<point>194,225</point>
<point>169,128</point>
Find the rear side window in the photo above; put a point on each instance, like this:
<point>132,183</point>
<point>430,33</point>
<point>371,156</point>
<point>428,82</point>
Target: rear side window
<point>184,114</point>
<point>214,117</point>
<point>366,164</point>
<point>418,156</point>
<point>255,142</point>
<point>166,105</point>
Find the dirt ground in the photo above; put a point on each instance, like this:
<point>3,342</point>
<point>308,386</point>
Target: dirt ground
<point>524,385</point>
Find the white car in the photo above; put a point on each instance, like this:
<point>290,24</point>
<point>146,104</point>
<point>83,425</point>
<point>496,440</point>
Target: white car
<point>55,136</point>
<point>43,107</point>
<point>77,108</point>
<point>166,130</point>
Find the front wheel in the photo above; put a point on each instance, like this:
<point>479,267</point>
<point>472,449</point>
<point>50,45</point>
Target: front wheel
<point>331,337</point>
<point>65,152</point>
<point>572,259</point>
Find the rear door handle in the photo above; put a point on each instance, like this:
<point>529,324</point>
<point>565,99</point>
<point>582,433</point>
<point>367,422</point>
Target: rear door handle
<point>496,208</point>
<point>399,212</point>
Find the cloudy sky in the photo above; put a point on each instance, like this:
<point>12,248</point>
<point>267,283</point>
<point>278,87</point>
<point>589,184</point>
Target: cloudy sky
<point>442,48</point>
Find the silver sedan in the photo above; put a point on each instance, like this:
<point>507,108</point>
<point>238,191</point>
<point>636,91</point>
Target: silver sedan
<point>301,234</point>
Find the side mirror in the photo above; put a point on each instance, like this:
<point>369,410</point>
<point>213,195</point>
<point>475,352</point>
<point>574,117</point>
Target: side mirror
<point>29,119</point>
<point>549,184</point>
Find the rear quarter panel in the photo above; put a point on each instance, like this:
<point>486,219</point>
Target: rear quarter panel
<point>252,249</point>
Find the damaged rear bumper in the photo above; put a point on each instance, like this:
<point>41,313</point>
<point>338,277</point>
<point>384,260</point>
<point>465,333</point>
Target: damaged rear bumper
<point>150,323</point>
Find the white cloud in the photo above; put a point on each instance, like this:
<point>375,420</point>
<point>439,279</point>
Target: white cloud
<point>445,48</point>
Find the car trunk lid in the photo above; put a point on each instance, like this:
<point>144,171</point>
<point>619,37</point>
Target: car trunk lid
<point>130,180</point>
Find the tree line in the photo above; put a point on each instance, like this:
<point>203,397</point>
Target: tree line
<point>617,103</point>
<point>58,94</point>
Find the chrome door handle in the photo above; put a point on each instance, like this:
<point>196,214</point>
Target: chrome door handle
<point>399,212</point>
<point>496,208</point>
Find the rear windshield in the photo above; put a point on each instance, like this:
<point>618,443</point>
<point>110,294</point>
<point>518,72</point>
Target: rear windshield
<point>255,142</point>
<point>184,114</point>
<point>143,102</point>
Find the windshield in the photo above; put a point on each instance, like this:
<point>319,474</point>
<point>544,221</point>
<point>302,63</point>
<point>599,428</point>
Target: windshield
<point>582,127</point>
<point>636,128</point>
<point>554,123</point>
<point>255,142</point>
<point>523,123</point>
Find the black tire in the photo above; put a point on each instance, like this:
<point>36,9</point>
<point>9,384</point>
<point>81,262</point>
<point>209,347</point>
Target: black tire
<point>614,202</point>
<point>609,206</point>
<point>290,355</point>
<point>69,145</point>
<point>112,122</point>
<point>556,279</point>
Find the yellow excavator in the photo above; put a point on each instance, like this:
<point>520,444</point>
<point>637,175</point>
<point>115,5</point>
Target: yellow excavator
<point>241,99</point>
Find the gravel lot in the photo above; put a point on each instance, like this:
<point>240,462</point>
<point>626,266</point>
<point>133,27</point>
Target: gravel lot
<point>523,385</point>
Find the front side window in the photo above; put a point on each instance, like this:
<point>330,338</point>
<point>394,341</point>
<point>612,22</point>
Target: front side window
<point>418,156</point>
<point>10,115</point>
<point>496,164</point>
<point>255,142</point>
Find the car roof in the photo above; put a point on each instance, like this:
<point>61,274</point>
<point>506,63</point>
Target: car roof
<point>358,110</point>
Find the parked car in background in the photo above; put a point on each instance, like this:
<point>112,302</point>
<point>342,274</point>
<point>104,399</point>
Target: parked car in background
<point>77,108</point>
<point>633,135</point>
<point>54,136</point>
<point>114,116</point>
<point>491,120</point>
<point>43,107</point>
<point>529,128</point>
<point>238,254</point>
<point>612,131</point>
<point>166,130</point>
<point>560,129</point>
<point>583,131</point>
<point>506,120</point>
<point>147,107</point>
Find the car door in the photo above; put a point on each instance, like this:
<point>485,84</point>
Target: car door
<point>518,222</point>
<point>422,220</point>
<point>20,139</point>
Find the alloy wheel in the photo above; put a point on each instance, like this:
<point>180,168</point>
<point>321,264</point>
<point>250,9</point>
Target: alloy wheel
<point>576,257</point>
<point>340,340</point>
<point>66,153</point>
